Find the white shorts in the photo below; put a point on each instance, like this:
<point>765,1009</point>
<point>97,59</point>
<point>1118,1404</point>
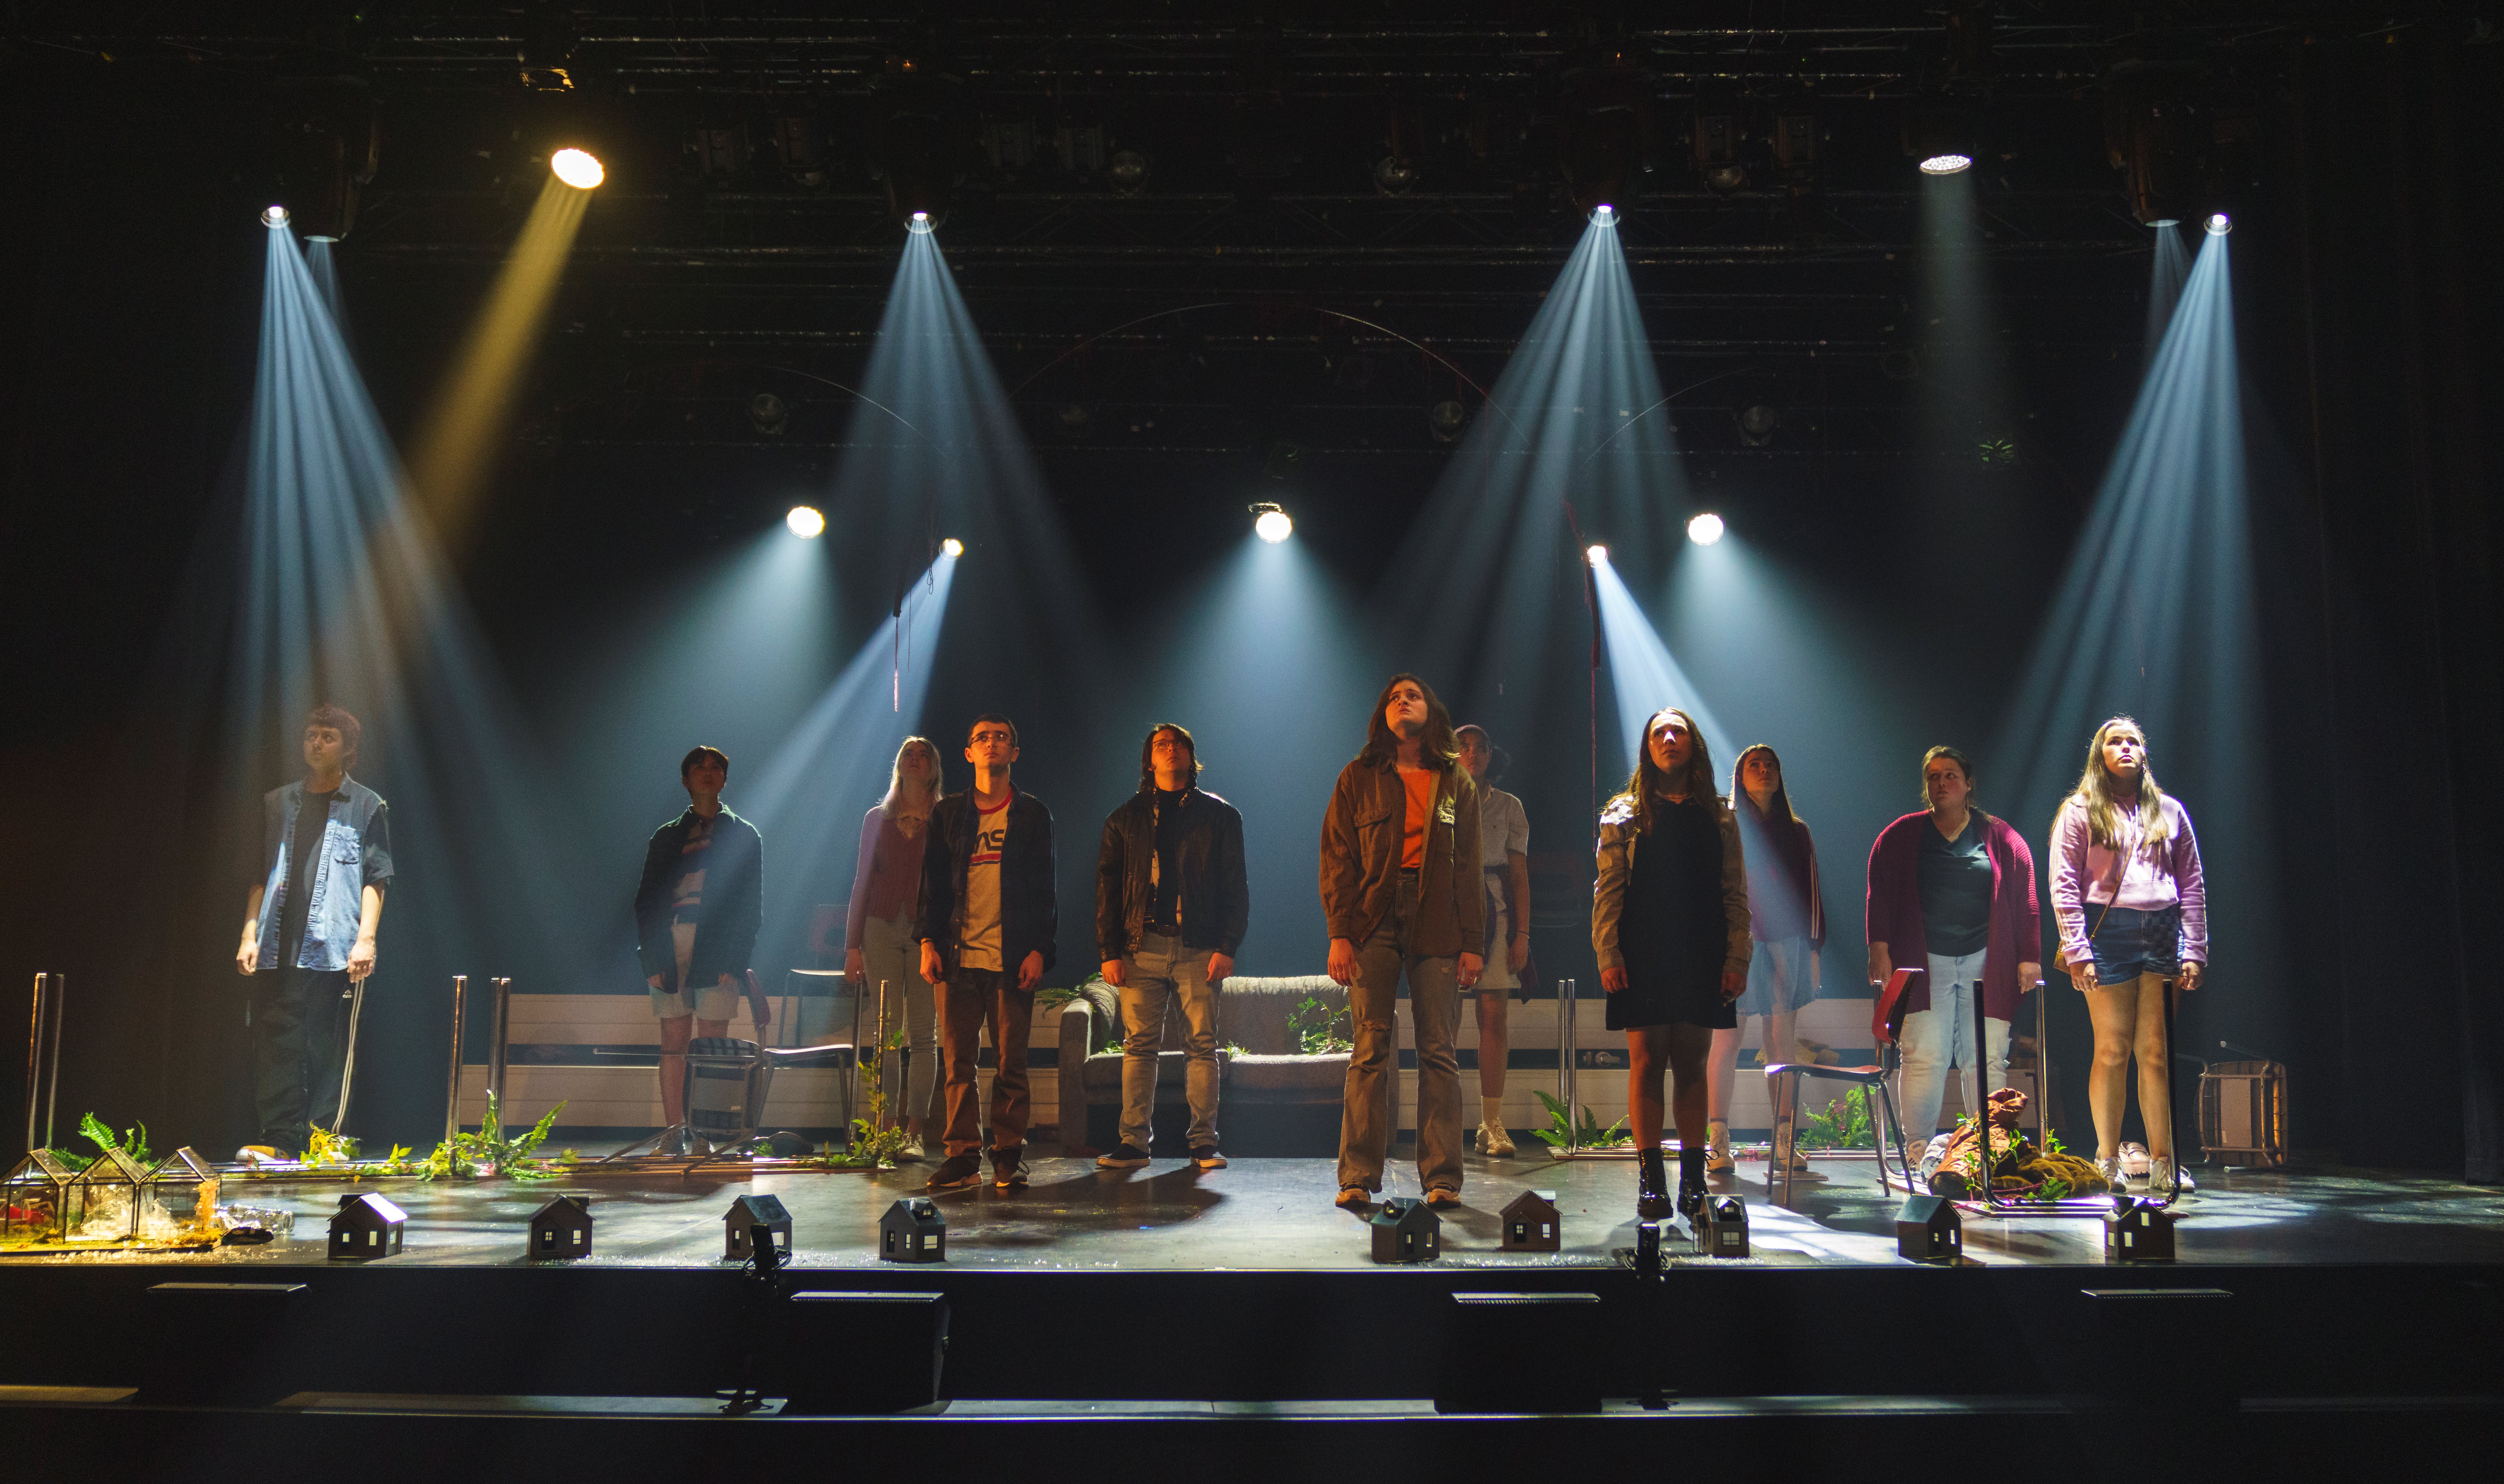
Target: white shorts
<point>711,1002</point>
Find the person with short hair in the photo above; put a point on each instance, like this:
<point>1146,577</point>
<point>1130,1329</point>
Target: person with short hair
<point>989,917</point>
<point>2132,903</point>
<point>1403,892</point>
<point>1171,909</point>
<point>697,912</point>
<point>309,932</point>
<point>1504,860</point>
<point>1670,925</point>
<point>1787,924</point>
<point>1952,892</point>
<point>881,944</point>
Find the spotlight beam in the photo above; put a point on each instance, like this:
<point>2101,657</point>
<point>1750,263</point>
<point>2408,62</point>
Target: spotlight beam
<point>472,409</point>
<point>1644,673</point>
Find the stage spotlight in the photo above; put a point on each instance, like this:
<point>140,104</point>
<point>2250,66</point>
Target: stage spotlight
<point>1946,164</point>
<point>806,523</point>
<point>1395,176</point>
<point>1271,524</point>
<point>273,216</point>
<point>1705,528</point>
<point>2219,224</point>
<point>1127,170</point>
<point>921,223</point>
<point>1757,425</point>
<point>1447,420</point>
<point>1604,214</point>
<point>1597,554</point>
<point>578,168</point>
<point>769,413</point>
<point>953,547</point>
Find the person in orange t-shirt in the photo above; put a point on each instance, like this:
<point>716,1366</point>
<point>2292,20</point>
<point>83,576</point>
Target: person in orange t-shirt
<point>1403,892</point>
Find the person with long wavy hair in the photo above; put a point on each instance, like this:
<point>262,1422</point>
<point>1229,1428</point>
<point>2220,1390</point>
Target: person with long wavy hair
<point>1403,892</point>
<point>1670,924</point>
<point>2133,908</point>
<point>1786,923</point>
<point>880,943</point>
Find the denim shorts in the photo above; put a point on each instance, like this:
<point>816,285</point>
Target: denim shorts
<point>2130,942</point>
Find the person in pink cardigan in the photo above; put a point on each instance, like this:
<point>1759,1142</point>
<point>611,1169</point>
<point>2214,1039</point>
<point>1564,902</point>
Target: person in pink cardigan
<point>1952,891</point>
<point>2133,909</point>
<point>881,939</point>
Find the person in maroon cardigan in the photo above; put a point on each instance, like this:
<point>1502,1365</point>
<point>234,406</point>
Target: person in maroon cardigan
<point>1952,890</point>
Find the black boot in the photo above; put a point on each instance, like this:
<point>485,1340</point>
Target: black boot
<point>1691,1180</point>
<point>1652,1186</point>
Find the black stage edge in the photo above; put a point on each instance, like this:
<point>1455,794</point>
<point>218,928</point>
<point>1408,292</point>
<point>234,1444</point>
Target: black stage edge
<point>1228,1324</point>
<point>1861,1372</point>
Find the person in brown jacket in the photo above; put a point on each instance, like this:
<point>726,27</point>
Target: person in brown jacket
<point>1401,889</point>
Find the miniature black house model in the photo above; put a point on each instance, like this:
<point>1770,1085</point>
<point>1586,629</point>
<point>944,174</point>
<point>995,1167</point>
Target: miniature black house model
<point>913,1231</point>
<point>1724,1230</point>
<point>1928,1230</point>
<point>1531,1222</point>
<point>752,1211</point>
<point>562,1228</point>
<point>367,1225</point>
<point>2138,1231</point>
<point>1406,1231</point>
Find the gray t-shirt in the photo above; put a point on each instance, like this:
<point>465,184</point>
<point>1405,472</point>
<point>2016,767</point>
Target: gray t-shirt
<point>1956,890</point>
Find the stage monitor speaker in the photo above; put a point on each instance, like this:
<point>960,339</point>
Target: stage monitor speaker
<point>1929,1229</point>
<point>1521,1353</point>
<point>857,1352</point>
<point>246,1335</point>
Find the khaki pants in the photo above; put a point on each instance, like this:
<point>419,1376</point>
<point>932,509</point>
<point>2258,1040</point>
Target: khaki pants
<point>1435,1009</point>
<point>970,1000</point>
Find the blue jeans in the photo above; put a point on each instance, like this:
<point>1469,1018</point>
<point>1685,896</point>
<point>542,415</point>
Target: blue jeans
<point>1159,971</point>
<point>2130,942</point>
<point>1943,1034</point>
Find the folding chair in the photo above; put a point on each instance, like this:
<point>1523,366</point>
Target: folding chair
<point>1886,1023</point>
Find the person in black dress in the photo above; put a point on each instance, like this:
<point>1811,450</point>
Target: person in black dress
<point>1669,921</point>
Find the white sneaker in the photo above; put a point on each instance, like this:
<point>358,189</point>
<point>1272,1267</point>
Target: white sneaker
<point>2164,1174</point>
<point>2110,1167</point>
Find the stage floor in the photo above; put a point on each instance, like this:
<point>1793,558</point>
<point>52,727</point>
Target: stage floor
<point>1276,1214</point>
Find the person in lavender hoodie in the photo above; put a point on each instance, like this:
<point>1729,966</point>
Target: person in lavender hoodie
<point>2133,912</point>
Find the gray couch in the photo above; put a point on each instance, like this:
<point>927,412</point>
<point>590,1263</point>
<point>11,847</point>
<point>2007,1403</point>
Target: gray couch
<point>1251,1014</point>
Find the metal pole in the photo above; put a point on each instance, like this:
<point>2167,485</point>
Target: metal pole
<point>348,1069</point>
<point>35,1054</point>
<point>61,998</point>
<point>452,1079</point>
<point>2042,1069</point>
<point>496,1048</point>
<point>1573,1071</point>
<point>1981,1100</point>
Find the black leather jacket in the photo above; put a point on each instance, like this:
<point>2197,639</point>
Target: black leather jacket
<point>1029,912</point>
<point>1215,904</point>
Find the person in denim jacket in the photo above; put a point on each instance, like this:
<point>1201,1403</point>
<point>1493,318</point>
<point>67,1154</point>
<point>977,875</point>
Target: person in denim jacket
<point>309,931</point>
